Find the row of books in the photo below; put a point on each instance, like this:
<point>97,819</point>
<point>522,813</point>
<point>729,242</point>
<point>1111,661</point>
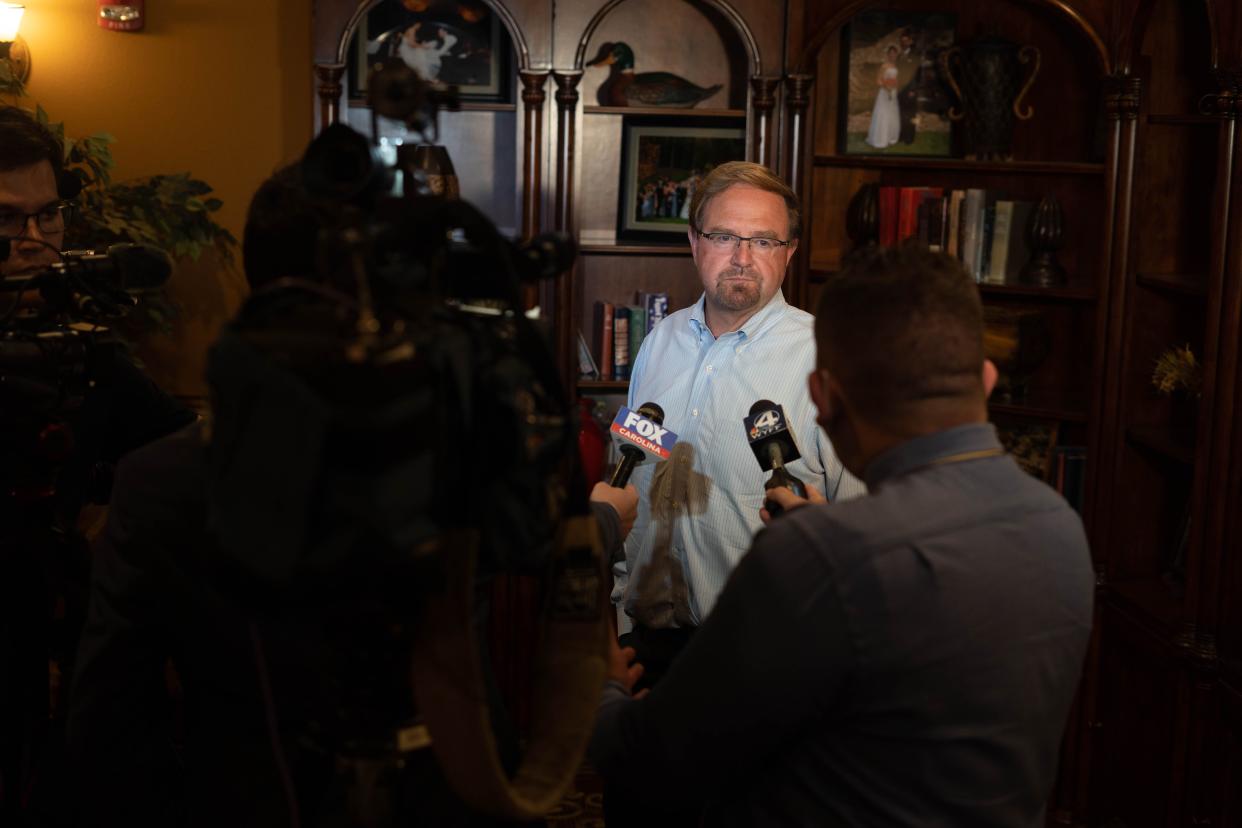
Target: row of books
<point>617,334</point>
<point>985,230</point>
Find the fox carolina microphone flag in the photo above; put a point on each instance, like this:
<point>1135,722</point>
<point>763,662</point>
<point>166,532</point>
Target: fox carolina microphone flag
<point>632,429</point>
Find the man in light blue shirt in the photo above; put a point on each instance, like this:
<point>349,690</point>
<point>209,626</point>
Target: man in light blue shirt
<point>705,366</point>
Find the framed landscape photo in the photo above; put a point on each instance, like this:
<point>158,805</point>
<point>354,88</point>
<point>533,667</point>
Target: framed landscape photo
<point>893,97</point>
<point>662,163</point>
<point>452,42</point>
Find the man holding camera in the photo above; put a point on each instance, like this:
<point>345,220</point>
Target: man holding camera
<point>903,659</point>
<point>262,740</point>
<point>65,418</point>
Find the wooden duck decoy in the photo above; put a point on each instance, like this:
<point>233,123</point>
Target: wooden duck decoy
<point>624,88</point>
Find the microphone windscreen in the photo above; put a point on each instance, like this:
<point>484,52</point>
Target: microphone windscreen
<point>762,405</point>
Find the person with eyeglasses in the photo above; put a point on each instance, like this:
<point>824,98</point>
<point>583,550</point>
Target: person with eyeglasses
<point>65,420</point>
<point>706,365</point>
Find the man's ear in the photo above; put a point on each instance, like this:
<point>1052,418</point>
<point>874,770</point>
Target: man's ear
<point>990,375</point>
<point>789,251</point>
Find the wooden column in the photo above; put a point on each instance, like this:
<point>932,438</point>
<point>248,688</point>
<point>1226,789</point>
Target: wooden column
<point>763,102</point>
<point>797,100</point>
<point>1122,95</point>
<point>793,161</point>
<point>533,97</point>
<point>328,77</point>
<point>566,137</point>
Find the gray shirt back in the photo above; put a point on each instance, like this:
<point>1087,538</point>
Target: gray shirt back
<point>906,658</point>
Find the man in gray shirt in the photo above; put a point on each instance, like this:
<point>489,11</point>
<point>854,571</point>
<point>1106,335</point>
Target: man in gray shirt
<point>907,658</point>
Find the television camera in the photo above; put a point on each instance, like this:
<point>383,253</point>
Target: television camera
<point>53,350</point>
<point>387,435</point>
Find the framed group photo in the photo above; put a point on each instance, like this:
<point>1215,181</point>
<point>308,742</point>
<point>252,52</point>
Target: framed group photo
<point>894,100</point>
<point>661,167</point>
<point>450,42</point>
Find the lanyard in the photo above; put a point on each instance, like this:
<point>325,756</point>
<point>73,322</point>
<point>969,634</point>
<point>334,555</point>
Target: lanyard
<point>966,455</point>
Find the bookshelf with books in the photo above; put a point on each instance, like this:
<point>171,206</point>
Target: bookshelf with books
<point>729,45</point>
<point>1135,136</point>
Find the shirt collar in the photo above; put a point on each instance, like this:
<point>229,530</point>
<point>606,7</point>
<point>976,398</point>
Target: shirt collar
<point>927,449</point>
<point>767,316</point>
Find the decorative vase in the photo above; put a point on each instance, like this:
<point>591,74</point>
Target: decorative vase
<point>1046,232</point>
<point>990,89</point>
<point>427,170</point>
<point>862,217</point>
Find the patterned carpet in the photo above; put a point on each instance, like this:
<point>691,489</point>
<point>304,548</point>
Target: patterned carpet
<point>582,807</point>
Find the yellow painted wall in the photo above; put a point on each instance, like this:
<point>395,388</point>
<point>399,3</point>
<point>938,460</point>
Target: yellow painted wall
<point>220,88</point>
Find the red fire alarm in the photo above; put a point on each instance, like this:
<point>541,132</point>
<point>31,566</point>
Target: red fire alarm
<point>121,17</point>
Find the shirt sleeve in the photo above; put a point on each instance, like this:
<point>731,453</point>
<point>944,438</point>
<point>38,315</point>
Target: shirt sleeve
<point>744,687</point>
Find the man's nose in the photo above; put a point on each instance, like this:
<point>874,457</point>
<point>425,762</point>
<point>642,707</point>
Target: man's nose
<point>741,253</point>
<point>30,229</point>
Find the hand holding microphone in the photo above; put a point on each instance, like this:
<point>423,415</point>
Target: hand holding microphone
<point>773,443</point>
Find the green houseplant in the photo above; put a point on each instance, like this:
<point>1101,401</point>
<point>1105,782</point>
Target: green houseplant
<point>169,211</point>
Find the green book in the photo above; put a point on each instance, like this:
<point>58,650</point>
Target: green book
<point>638,330</point>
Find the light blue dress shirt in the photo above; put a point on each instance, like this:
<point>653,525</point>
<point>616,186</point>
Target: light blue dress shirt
<point>680,553</point>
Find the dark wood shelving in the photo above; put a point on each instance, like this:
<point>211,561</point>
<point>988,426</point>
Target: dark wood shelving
<point>1176,444</point>
<point>1064,410</point>
<point>466,106</point>
<point>672,112</point>
<point>1149,598</point>
<point>1184,284</point>
<point>961,165</point>
<point>1066,293</point>
<point>1183,120</point>
<point>603,386</point>
<point>633,250</point>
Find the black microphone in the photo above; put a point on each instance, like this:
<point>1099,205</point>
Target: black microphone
<point>123,267</point>
<point>128,267</point>
<point>639,434</point>
<point>773,443</point>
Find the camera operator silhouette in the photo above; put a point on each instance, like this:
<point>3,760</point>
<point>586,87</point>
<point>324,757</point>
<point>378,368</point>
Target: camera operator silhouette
<point>275,731</point>
<point>66,416</point>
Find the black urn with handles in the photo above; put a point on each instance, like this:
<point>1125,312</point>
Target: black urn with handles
<point>989,83</point>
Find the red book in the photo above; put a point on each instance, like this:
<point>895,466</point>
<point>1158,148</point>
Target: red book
<point>908,213</point>
<point>888,216</point>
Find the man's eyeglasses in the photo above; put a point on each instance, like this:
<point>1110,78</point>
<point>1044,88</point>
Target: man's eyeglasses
<point>731,242</point>
<point>51,219</point>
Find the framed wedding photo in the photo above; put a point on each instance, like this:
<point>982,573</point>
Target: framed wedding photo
<point>452,42</point>
<point>662,163</point>
<point>894,100</point>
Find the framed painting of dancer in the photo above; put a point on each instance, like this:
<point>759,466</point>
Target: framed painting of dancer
<point>662,162</point>
<point>893,98</point>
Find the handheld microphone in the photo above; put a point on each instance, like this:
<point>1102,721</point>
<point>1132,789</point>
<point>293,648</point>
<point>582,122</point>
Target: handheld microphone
<point>124,267</point>
<point>639,434</point>
<point>773,443</point>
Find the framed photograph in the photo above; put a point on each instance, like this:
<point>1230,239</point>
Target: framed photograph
<point>661,165</point>
<point>893,98</point>
<point>458,42</point>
